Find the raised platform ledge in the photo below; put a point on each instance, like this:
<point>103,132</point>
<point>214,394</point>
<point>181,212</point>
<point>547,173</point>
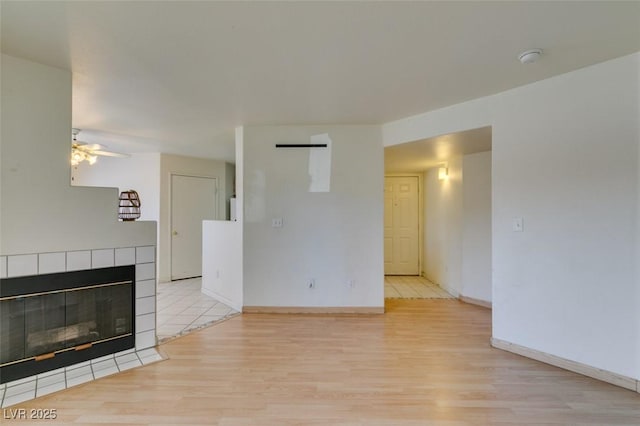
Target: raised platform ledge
<point>576,367</point>
<point>312,310</point>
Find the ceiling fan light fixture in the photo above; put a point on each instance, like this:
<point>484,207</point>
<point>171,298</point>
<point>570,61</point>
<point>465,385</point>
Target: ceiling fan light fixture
<point>82,151</point>
<point>76,157</point>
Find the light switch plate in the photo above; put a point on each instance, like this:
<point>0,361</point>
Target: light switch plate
<point>518,224</point>
<point>276,223</point>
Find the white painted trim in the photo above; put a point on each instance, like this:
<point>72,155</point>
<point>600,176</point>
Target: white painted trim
<point>446,288</point>
<point>222,299</point>
<point>474,301</point>
<point>170,216</point>
<point>576,367</point>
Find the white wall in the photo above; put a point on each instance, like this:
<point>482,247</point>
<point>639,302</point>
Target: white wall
<point>188,166</point>
<point>332,237</point>
<point>457,218</point>
<point>476,226</point>
<point>443,201</point>
<point>140,172</point>
<point>222,251</point>
<point>222,261</point>
<point>40,211</point>
<point>565,158</point>
<point>466,116</point>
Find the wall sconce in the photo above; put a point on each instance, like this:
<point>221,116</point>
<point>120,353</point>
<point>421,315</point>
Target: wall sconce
<point>443,173</point>
<point>129,206</point>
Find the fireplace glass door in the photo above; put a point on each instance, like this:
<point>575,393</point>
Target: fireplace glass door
<point>44,324</point>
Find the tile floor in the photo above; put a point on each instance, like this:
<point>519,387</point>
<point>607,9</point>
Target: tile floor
<point>52,381</point>
<point>412,287</point>
<point>182,307</point>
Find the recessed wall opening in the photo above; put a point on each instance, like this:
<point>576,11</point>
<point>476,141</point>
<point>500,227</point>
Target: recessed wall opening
<point>437,236</point>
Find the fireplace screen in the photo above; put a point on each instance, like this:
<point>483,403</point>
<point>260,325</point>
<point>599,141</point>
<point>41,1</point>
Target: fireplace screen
<point>54,322</point>
<point>38,325</point>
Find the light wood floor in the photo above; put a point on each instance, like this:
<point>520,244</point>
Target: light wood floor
<point>424,362</point>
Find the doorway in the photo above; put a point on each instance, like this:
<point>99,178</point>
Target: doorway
<point>401,225</point>
<point>193,199</point>
<point>455,216</point>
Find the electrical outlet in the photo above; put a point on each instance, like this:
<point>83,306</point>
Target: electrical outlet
<point>276,222</point>
<point>351,283</point>
<point>312,283</point>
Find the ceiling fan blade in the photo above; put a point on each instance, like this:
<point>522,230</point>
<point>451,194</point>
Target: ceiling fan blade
<point>87,146</point>
<point>109,154</point>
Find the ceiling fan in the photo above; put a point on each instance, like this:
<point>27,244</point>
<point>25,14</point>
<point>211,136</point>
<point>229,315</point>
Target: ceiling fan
<point>82,151</point>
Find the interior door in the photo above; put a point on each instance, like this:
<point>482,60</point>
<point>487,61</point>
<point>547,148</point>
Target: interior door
<point>401,226</point>
<point>193,199</point>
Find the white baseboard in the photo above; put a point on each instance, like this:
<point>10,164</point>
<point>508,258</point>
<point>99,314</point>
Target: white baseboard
<point>446,288</point>
<point>312,310</point>
<point>449,290</point>
<point>576,367</point>
<point>222,299</point>
<point>474,301</point>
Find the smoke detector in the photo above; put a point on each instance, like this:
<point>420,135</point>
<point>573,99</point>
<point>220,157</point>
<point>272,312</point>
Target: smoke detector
<point>530,56</point>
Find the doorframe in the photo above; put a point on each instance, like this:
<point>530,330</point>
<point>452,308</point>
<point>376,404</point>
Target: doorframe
<point>170,216</point>
<point>420,176</point>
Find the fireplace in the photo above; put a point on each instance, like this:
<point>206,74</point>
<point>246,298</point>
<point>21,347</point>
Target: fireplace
<point>55,320</point>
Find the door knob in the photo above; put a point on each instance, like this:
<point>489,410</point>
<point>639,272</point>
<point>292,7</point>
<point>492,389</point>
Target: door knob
<point>175,232</point>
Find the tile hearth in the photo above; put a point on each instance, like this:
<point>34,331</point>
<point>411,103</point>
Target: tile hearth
<point>412,287</point>
<point>52,381</point>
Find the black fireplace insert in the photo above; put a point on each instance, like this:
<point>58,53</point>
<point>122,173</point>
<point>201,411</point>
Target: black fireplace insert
<point>51,321</point>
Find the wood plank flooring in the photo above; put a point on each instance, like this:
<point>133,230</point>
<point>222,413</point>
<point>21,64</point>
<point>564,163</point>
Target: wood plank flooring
<point>426,361</point>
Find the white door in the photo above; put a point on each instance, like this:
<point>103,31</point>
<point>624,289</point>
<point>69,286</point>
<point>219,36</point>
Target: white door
<point>193,199</point>
<point>401,226</point>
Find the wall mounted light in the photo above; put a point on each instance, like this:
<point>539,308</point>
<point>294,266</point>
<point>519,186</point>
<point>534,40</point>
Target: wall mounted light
<point>443,173</point>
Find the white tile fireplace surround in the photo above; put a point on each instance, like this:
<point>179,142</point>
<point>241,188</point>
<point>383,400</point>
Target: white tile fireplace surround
<point>144,259</point>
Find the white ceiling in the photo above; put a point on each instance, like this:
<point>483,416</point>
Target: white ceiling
<point>179,76</point>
